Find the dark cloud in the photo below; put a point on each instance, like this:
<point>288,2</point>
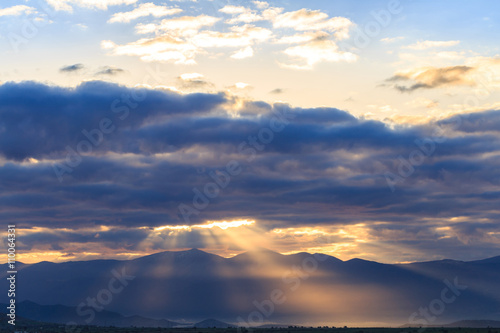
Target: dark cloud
<point>412,87</point>
<point>52,118</point>
<point>107,70</point>
<point>432,77</point>
<point>325,167</point>
<point>277,91</point>
<point>194,83</point>
<point>71,68</point>
<point>488,121</point>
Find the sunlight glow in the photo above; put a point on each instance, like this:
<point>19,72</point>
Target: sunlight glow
<point>211,224</point>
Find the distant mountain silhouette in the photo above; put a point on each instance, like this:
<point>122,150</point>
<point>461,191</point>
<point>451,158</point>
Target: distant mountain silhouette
<point>61,314</point>
<point>194,285</point>
<point>465,324</point>
<point>210,323</point>
<point>475,324</point>
<point>23,323</point>
<point>494,260</point>
<point>275,326</point>
<point>64,314</point>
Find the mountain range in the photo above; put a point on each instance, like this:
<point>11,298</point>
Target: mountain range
<point>257,288</point>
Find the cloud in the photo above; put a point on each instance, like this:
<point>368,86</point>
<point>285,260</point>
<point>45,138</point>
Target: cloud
<point>144,9</point>
<point>487,121</point>
<point>477,71</point>
<point>209,225</point>
<point>317,51</point>
<point>391,39</point>
<point>68,118</point>
<point>247,52</point>
<point>277,91</point>
<point>302,37</point>
<point>432,77</point>
<point>324,170</point>
<point>17,10</point>
<point>180,26</point>
<point>261,4</point>
<point>242,85</point>
<point>239,36</point>
<point>319,42</point>
<point>244,15</point>
<point>427,44</point>
<point>81,26</point>
<point>247,17</point>
<point>180,40</point>
<point>194,82</point>
<point>108,70</point>
<point>183,43</point>
<point>72,68</point>
<point>305,19</point>
<point>239,88</point>
<point>165,48</point>
<point>43,20</point>
<point>191,76</point>
<point>229,9</point>
<point>67,5</point>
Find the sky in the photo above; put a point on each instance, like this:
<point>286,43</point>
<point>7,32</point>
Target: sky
<point>365,129</point>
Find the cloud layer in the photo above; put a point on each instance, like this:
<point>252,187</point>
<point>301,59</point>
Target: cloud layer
<point>128,158</point>
<point>181,39</point>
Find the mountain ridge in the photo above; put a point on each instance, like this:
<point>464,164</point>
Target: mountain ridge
<point>494,259</point>
<point>194,285</point>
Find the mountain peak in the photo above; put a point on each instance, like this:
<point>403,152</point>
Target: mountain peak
<point>258,252</point>
<point>209,323</point>
<point>192,254</point>
<point>194,249</point>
